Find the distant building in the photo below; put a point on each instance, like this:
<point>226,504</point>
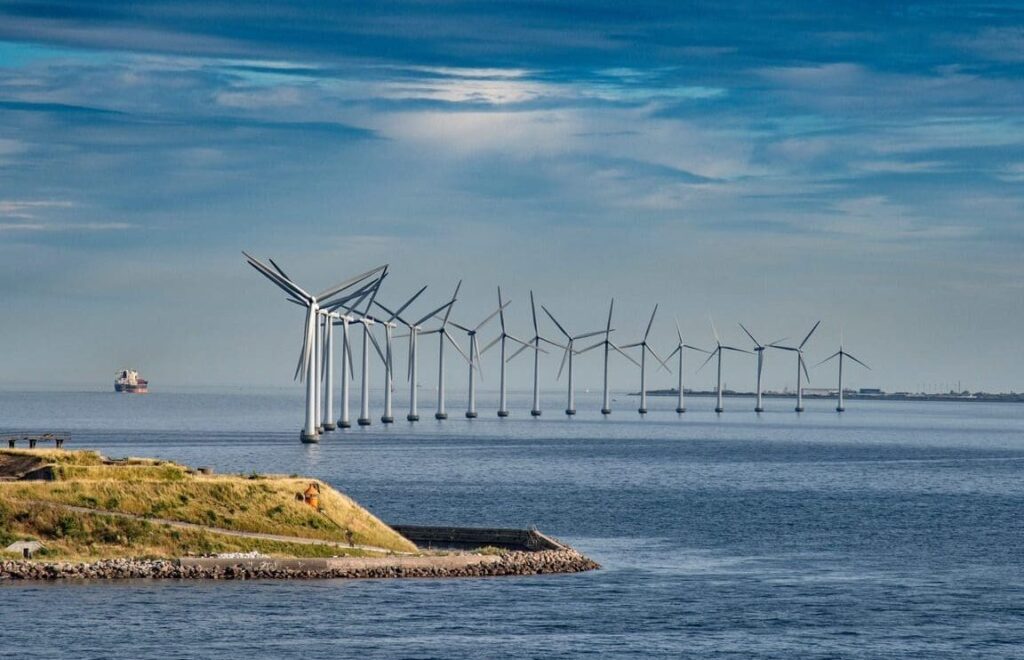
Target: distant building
<point>870,391</point>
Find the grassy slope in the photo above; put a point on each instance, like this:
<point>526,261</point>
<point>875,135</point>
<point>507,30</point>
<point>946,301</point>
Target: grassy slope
<point>160,489</point>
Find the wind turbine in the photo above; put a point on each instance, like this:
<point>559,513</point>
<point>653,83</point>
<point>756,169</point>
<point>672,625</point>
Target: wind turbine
<point>534,343</point>
<point>502,394</point>
<point>680,347</point>
<point>719,348</point>
<point>644,349</point>
<point>474,355</point>
<point>444,335</point>
<point>841,354</point>
<point>368,322</point>
<point>344,319</point>
<point>570,408</point>
<point>759,349</point>
<point>415,329</point>
<point>606,406</point>
<point>800,366</point>
<point>389,327</point>
<point>307,366</point>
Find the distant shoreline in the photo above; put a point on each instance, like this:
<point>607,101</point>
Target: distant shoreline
<point>1012,397</point>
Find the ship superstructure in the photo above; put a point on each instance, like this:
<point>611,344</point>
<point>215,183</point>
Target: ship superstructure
<point>127,380</point>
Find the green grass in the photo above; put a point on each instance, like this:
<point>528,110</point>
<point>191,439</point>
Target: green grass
<point>161,489</point>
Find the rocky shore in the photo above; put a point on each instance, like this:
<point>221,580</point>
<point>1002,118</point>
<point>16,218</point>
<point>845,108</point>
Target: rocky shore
<point>429,566</point>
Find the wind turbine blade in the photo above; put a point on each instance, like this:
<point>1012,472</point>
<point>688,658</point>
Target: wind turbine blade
<point>803,365</point>
<point>827,359</point>
<point>633,345</point>
<point>500,310</point>
<point>533,311</point>
<point>279,269</point>
<point>376,346</point>
<point>455,297</point>
<point>650,323</point>
<point>518,351</point>
<point>756,343</point>
<point>589,334</point>
<point>588,348</point>
<point>711,356</point>
<point>784,348</point>
<point>809,334</point>
<point>714,330</point>
<point>307,346</point>
<point>448,335</point>
<point>460,327</point>
<point>679,332</point>
<point>519,341</point>
<point>856,360</point>
<point>608,328</point>
<point>674,351</point>
<point>658,358</point>
<point>738,350</point>
<point>695,348</point>
<point>565,355</point>
<point>287,286</point>
<point>478,360</point>
<point>351,362</point>
<point>330,292</point>
<point>394,315</point>
<point>623,354</point>
<point>490,344</point>
<point>435,312</point>
<point>555,321</point>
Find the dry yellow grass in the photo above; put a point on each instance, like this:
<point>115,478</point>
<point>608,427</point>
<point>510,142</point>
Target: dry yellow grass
<point>160,489</point>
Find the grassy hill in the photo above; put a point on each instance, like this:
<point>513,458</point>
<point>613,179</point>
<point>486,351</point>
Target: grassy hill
<point>150,489</point>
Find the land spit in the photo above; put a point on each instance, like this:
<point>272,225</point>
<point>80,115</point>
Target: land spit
<point>565,560</point>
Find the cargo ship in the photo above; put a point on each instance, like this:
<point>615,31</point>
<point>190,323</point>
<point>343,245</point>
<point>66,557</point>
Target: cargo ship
<point>127,380</point>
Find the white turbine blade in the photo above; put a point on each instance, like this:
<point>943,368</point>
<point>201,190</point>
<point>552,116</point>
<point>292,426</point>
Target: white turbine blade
<point>714,330</point>
<point>449,337</point>
<point>455,297</point>
<point>674,351</point>
<point>408,302</point>
<point>338,288</point>
<point>650,323</point>
<point>518,351</point>
<point>633,345</point>
<point>809,334</point>
<point>287,286</point>
<point>658,358</point>
<point>679,332</point>
<point>555,321</point>
<point>500,310</point>
<point>435,312</point>
<point>460,327</point>
<point>834,355</point>
<point>490,344</point>
<point>307,346</point>
<point>756,343</point>
<point>279,269</point>
<point>623,354</point>
<point>784,348</point>
<point>556,344</point>
<point>588,348</point>
<point>804,366</point>
<point>519,341</point>
<point>376,346</point>
<point>565,355</point>
<point>478,360</point>
<point>533,311</point>
<point>695,348</point>
<point>738,350</point>
<point>351,362</point>
<point>711,356</point>
<point>589,334</point>
<point>608,328</point>
<point>857,361</point>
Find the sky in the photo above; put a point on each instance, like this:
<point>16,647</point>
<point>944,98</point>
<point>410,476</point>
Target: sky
<point>773,164</point>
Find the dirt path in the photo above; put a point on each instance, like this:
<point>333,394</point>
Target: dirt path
<point>301,540</point>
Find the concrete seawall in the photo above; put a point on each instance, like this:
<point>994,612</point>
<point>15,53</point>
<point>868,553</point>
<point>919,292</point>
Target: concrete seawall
<point>471,538</point>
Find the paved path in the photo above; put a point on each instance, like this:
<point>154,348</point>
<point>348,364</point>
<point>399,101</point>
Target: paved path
<point>301,540</point>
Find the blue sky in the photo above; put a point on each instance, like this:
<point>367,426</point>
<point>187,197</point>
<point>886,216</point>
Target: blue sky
<point>861,163</point>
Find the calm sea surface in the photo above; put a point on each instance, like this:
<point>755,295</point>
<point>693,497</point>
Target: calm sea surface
<point>894,530</point>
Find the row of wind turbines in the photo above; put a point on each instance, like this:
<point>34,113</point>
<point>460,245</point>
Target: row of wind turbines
<point>354,302</point>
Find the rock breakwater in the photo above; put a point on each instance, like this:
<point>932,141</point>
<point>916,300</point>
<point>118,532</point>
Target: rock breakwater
<point>428,566</point>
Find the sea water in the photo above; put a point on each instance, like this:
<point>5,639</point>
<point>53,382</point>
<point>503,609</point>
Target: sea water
<point>892,530</point>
